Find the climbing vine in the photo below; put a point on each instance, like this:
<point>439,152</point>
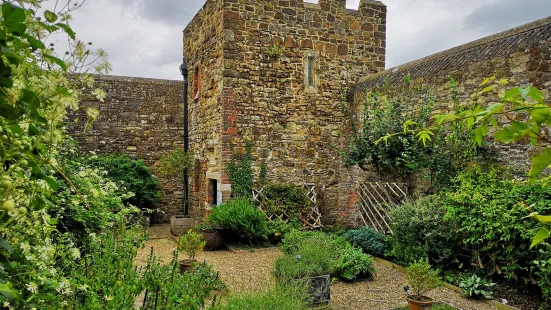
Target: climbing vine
<point>240,172</point>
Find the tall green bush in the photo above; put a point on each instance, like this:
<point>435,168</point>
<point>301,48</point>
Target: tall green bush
<point>134,175</point>
<point>420,231</point>
<point>285,199</point>
<point>489,209</point>
<point>369,240</point>
<point>242,218</point>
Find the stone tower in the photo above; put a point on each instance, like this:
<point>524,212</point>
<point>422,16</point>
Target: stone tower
<point>273,72</point>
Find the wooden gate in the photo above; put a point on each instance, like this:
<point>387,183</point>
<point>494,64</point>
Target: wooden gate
<point>310,219</point>
<point>376,200</point>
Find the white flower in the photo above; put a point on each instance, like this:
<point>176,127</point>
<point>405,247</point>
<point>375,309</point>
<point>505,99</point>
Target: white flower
<point>109,298</point>
<point>75,253</point>
<point>6,304</point>
<point>25,247</point>
<point>32,287</point>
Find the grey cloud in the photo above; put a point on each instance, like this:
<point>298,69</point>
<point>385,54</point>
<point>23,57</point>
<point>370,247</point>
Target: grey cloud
<point>177,12</point>
<point>506,14</point>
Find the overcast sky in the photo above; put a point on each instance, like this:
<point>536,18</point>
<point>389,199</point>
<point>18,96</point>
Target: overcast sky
<point>144,37</point>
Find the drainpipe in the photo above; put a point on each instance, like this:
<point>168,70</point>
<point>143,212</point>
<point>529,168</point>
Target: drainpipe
<point>184,72</point>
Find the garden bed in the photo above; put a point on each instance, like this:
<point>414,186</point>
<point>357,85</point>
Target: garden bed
<point>250,271</point>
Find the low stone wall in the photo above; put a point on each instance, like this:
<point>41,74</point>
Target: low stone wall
<point>139,117</point>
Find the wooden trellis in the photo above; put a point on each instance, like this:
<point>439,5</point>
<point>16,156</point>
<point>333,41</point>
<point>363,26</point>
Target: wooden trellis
<point>310,219</point>
<point>376,200</point>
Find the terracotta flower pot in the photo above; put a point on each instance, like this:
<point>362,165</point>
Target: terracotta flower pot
<point>187,265</point>
<point>419,303</point>
<point>213,238</point>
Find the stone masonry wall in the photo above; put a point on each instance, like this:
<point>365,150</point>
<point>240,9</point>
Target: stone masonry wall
<point>296,124</point>
<point>203,51</point>
<point>521,55</point>
<point>139,117</point>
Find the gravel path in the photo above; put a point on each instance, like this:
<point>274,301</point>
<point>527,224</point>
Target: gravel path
<point>250,271</point>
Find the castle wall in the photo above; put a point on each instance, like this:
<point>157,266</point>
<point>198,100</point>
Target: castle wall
<point>139,117</point>
<point>296,123</point>
<point>203,51</point>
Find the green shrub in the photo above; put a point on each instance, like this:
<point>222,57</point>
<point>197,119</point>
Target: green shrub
<point>242,218</point>
<point>353,264</point>
<point>421,278</point>
<point>277,228</point>
<point>476,287</point>
<point>314,257</point>
<point>489,210</point>
<point>134,175</point>
<point>421,232</point>
<point>282,297</point>
<point>292,241</point>
<point>288,199</point>
<point>320,254</point>
<point>368,239</point>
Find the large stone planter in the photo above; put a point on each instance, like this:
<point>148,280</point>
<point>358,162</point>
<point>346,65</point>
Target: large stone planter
<point>320,290</point>
<point>180,225</point>
<point>213,238</point>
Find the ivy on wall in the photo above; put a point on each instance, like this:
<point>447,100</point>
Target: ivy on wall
<point>240,172</point>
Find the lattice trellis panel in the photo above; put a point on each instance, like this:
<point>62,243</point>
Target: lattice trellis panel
<point>310,219</point>
<point>376,200</point>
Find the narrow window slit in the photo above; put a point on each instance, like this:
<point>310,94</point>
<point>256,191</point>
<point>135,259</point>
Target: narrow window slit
<point>310,71</point>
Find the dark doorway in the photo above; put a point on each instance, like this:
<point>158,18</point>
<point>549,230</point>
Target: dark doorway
<point>213,191</point>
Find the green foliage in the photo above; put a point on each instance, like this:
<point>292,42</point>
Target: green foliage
<point>476,287</point>
<point>240,172</point>
<point>312,253</point>
<point>528,115</point>
<point>35,95</point>
<point>278,228</point>
<point>134,175</point>
<point>276,50</point>
<point>283,297</point>
<point>421,278</point>
<point>420,231</point>
<point>353,264</point>
<point>315,257</point>
<point>383,137</point>
<point>172,164</point>
<point>191,243</point>
<point>241,217</point>
<point>166,288</point>
<point>368,239</point>
<point>108,278</point>
<point>80,217</point>
<point>293,240</point>
<point>500,239</point>
<point>285,199</point>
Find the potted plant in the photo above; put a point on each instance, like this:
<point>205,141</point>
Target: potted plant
<point>211,235</point>
<point>190,244</point>
<point>421,279</point>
